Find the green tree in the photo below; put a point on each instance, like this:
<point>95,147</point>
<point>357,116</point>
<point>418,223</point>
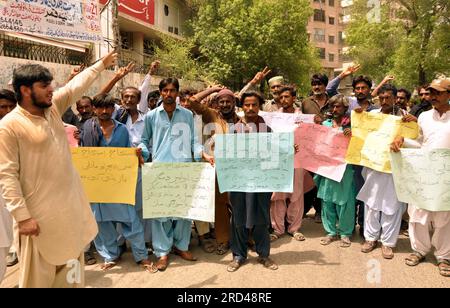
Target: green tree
<point>177,60</point>
<point>237,38</point>
<point>410,41</point>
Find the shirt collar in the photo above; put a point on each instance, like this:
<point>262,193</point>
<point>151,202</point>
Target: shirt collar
<point>26,113</point>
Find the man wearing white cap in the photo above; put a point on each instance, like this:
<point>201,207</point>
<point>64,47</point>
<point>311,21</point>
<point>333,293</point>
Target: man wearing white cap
<point>431,228</point>
<point>275,84</point>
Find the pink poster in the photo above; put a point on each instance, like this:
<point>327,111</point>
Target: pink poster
<point>322,150</point>
<point>70,129</point>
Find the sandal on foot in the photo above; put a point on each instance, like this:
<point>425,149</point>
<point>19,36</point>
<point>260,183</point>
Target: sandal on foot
<point>148,266</point>
<point>345,242</point>
<point>234,265</point>
<point>327,240</point>
<point>108,265</point>
<point>222,248</point>
<point>89,258</point>
<point>274,237</point>
<point>268,263</point>
<point>298,236</point>
<point>444,267</point>
<point>207,246</point>
<point>414,259</point>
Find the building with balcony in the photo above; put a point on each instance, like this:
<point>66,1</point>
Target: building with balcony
<point>326,33</point>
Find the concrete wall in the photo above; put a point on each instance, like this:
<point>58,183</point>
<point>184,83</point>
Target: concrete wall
<point>61,72</point>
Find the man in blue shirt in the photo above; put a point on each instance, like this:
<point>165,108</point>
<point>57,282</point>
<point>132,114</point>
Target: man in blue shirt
<point>104,131</point>
<point>170,128</point>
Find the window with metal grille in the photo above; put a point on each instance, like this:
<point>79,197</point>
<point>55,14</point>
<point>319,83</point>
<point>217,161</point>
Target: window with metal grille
<point>319,15</point>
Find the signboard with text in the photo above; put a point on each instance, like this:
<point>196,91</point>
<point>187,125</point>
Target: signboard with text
<point>143,10</point>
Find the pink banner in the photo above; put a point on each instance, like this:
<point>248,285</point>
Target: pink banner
<point>70,129</point>
<point>322,150</point>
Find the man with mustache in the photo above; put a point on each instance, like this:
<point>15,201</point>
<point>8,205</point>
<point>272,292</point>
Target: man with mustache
<point>425,101</point>
<point>360,102</point>
<point>382,209</point>
<point>104,131</point>
<point>429,229</point>
<point>251,211</point>
<point>170,128</point>
<point>40,186</point>
<point>289,207</point>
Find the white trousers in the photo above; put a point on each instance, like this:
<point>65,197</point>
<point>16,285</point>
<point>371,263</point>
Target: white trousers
<point>379,226</point>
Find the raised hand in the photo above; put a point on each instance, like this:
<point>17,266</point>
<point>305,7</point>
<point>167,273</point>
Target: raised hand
<point>154,67</point>
<point>350,70</point>
<point>110,59</point>
<point>260,76</point>
<point>123,71</point>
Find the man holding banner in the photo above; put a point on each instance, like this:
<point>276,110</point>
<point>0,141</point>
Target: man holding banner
<point>251,211</point>
<point>40,186</point>
<point>103,131</point>
<point>338,198</point>
<point>382,209</point>
<point>280,209</point>
<point>170,127</point>
<point>431,228</point>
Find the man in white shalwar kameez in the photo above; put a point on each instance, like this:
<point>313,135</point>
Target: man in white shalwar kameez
<point>382,210</point>
<point>40,186</point>
<point>427,228</point>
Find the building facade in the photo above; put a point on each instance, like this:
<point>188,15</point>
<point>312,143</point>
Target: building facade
<point>326,33</point>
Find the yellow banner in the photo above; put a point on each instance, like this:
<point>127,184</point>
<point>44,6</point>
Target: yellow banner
<point>372,134</point>
<point>109,175</point>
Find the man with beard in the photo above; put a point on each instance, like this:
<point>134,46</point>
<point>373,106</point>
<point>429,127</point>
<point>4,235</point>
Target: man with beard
<point>39,183</point>
<point>85,109</point>
<point>425,102</point>
<point>164,127</point>
<point>431,228</point>
<point>103,131</point>
<point>383,211</point>
<point>404,99</point>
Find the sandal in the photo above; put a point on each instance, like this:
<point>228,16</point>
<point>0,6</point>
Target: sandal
<point>298,236</point>
<point>89,258</point>
<point>207,245</point>
<point>274,237</point>
<point>414,259</point>
<point>444,267</point>
<point>268,263</point>
<point>345,242</point>
<point>222,248</point>
<point>108,265</point>
<point>327,240</point>
<point>148,266</point>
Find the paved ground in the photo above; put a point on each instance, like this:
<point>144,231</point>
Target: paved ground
<point>301,264</point>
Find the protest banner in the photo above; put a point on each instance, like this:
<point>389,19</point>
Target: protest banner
<point>422,178</point>
<point>322,150</point>
<point>184,190</point>
<point>372,134</point>
<point>262,162</point>
<point>109,175</point>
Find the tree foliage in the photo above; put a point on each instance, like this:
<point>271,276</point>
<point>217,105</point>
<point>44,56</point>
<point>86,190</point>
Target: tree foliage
<point>177,60</point>
<point>411,41</point>
<point>237,38</point>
